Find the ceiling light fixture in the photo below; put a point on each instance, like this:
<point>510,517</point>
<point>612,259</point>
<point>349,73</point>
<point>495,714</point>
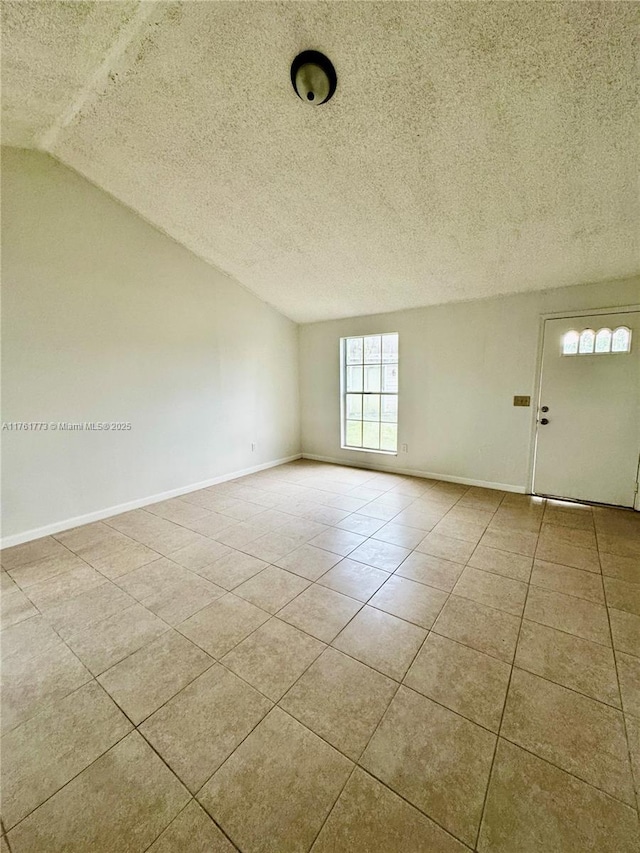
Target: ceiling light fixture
<point>313,77</point>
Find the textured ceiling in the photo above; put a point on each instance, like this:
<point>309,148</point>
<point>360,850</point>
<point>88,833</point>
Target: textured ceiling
<point>471,149</point>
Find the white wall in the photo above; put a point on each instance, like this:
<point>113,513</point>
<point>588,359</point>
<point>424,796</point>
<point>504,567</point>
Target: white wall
<point>106,319</point>
<point>460,366</point>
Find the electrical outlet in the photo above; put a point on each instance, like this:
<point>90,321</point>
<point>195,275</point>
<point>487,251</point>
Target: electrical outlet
<point>404,448</point>
<point>253,446</point>
<point>522,401</point>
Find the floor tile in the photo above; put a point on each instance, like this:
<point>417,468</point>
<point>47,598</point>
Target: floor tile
<point>354,579</point>
<point>105,643</point>
<point>369,817</point>
<point>577,734</point>
<point>381,640</point>
<point>365,525</point>
<point>533,806</point>
<point>337,541</point>
<point>461,678</point>
<point>625,629</point>
<point>571,661</point>
<point>517,541</point>
<point>552,534</point>
<point>380,555</point>
<point>6,582</point>
<point>46,751</point>
<point>52,592</point>
<point>49,567</point>
<point>271,546</point>
<point>629,675</point>
<point>465,511</point>
<point>467,531</point>
<point>320,611</point>
<point>446,547</point>
<point>273,657</point>
<point>569,514</point>
<point>119,804</point>
<point>623,568</point>
<point>429,570</point>
<point>174,539</point>
<point>621,545</point>
<point>72,616</point>
<point>271,589</point>
<point>309,562</point>
<point>633,737</point>
<point>93,540</point>
<point>192,831</point>
<point>383,511</point>
<point>131,556</point>
<point>587,585</point>
<point>46,678</point>
<point>27,639</point>
<point>434,758</point>
<point>278,787</point>
<point>174,603</point>
<point>341,700</point>
<point>153,578</point>
<point>505,563</point>
<point>622,595</point>
<point>567,613</point>
<point>478,626</point>
<point>568,555</point>
<point>239,535</point>
<point>199,555</point>
<point>399,534</point>
<point>149,677</point>
<point>410,600</point>
<point>29,552</point>
<point>223,624</point>
<point>421,517</point>
<point>326,514</point>
<point>494,591</point>
<point>233,569</point>
<point>201,725</point>
<point>15,607</point>
<point>347,503</point>
<point>211,525</point>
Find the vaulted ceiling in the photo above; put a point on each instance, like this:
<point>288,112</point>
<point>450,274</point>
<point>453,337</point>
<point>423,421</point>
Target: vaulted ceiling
<point>470,150</point>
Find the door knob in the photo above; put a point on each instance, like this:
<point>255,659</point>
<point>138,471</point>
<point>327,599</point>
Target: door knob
<point>544,409</point>
<point>544,421</point>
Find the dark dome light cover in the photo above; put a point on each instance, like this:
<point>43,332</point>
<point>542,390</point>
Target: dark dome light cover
<point>313,77</point>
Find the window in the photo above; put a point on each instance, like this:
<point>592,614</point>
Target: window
<point>590,342</point>
<point>370,392</point>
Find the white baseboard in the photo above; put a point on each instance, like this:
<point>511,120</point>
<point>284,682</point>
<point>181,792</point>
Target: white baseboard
<point>394,469</point>
<point>98,515</point>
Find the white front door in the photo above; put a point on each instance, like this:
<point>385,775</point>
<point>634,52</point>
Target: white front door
<point>588,430</point>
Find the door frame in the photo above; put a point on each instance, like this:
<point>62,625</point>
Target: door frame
<point>537,387</point>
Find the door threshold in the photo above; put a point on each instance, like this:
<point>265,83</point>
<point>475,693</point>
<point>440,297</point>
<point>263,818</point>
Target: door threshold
<point>581,502</point>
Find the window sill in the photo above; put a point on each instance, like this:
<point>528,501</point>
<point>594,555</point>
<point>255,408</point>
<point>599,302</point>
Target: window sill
<point>369,450</point>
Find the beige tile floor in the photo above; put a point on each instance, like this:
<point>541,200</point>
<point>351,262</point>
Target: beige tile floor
<point>324,658</point>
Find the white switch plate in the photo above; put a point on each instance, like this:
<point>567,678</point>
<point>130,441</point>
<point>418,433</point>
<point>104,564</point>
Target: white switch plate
<point>404,448</point>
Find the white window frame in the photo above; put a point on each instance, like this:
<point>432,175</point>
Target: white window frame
<point>343,395</point>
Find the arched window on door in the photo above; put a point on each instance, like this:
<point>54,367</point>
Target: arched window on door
<point>589,342</point>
